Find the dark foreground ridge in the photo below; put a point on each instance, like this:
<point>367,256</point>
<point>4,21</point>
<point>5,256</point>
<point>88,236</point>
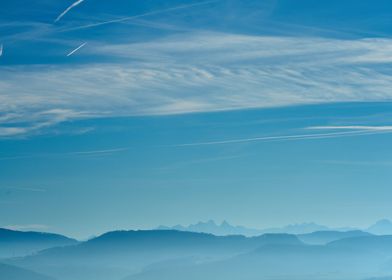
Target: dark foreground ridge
<point>170,254</point>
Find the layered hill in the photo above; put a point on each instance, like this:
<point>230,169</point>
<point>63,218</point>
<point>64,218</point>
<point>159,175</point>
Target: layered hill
<point>351,258</point>
<point>324,237</point>
<point>121,253</point>
<point>20,243</point>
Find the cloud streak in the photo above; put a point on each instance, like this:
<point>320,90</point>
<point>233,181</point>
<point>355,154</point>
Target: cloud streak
<point>40,190</point>
<point>353,127</point>
<point>124,19</point>
<point>88,153</point>
<point>17,125</point>
<point>76,49</point>
<point>356,163</point>
<point>297,137</point>
<point>73,5</point>
<point>38,227</point>
<point>99,152</point>
<point>195,72</point>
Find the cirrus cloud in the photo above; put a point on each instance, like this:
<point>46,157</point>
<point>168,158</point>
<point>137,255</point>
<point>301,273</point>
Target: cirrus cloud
<point>195,72</point>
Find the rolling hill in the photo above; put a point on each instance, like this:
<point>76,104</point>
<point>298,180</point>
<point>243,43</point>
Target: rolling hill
<point>324,237</point>
<point>20,243</point>
<point>351,258</point>
<point>121,253</point>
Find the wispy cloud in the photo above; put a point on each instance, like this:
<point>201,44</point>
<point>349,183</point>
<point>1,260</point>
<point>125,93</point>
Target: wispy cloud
<point>76,49</point>
<point>353,127</point>
<point>98,152</point>
<point>296,137</point>
<point>356,162</point>
<point>38,227</point>
<point>87,153</point>
<point>12,131</point>
<point>152,13</point>
<point>17,125</point>
<point>73,5</point>
<point>25,189</point>
<point>196,72</point>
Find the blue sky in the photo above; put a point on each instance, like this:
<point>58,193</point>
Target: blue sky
<point>259,112</point>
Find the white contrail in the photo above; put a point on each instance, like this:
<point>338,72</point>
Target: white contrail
<point>140,16</point>
<point>288,138</point>
<point>106,152</point>
<point>25,189</point>
<point>98,152</point>
<point>353,127</point>
<point>1,50</point>
<point>68,9</point>
<point>78,48</point>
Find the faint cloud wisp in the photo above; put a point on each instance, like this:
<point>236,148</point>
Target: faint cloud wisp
<point>195,72</point>
<point>73,5</point>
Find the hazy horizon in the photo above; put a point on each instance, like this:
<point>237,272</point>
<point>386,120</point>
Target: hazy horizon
<point>281,228</point>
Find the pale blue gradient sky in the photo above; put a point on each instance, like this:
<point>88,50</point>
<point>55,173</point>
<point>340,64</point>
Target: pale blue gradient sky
<point>262,114</point>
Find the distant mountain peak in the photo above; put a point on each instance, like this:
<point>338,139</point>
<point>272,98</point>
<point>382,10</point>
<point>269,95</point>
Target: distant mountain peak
<point>381,227</point>
<point>383,222</point>
<point>225,228</point>
<point>225,224</point>
<point>210,226</point>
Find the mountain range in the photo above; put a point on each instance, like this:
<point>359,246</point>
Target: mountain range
<point>352,258</point>
<point>117,254</point>
<point>173,254</point>
<point>382,227</point>
<point>227,229</point>
<point>212,227</point>
<point>169,254</point>
<point>325,237</point>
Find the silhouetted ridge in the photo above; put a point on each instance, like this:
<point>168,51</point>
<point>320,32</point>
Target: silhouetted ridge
<point>24,236</point>
<point>162,238</point>
<point>20,243</point>
<point>133,250</point>
<point>382,227</point>
<point>324,237</point>
<point>151,235</point>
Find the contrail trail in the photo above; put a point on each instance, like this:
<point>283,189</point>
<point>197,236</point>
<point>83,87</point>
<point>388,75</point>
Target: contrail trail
<point>140,16</point>
<point>1,50</point>
<point>26,189</point>
<point>106,152</point>
<point>78,48</point>
<point>287,138</point>
<point>68,9</point>
<point>353,127</point>
<point>98,152</point>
